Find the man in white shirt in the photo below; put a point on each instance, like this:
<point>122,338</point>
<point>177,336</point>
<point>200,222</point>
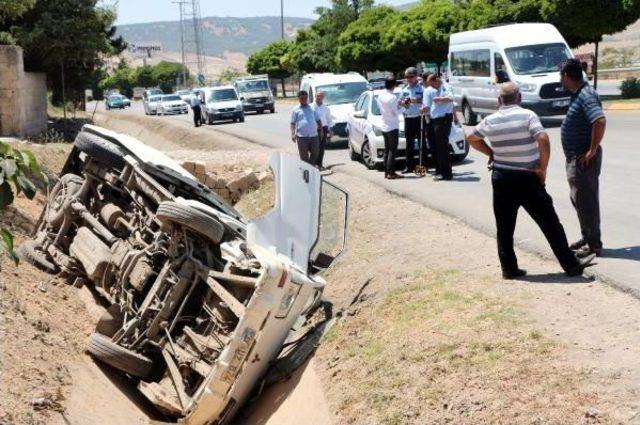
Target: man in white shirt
<point>390,110</point>
<point>327,122</point>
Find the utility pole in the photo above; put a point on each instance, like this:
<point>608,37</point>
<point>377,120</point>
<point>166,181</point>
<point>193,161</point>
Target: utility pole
<point>180,4</point>
<point>282,19</point>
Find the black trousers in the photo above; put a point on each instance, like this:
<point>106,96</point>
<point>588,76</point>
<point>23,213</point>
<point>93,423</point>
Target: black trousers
<point>424,138</point>
<point>323,144</point>
<point>197,115</point>
<point>411,134</point>
<point>390,150</point>
<point>441,130</point>
<point>585,197</point>
<point>515,189</point>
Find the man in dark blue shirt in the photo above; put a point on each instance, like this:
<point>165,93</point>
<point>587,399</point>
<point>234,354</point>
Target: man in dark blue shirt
<point>582,132</point>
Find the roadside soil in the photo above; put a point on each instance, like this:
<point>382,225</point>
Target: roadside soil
<point>429,332</point>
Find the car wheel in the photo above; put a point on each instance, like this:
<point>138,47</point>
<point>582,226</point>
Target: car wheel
<point>31,252</point>
<point>170,213</point>
<point>111,321</point>
<point>209,119</point>
<point>273,110</point>
<point>461,156</point>
<point>241,119</point>
<point>261,111</point>
<point>102,348</point>
<point>470,118</point>
<point>66,187</point>
<point>367,156</point>
<point>101,149</point>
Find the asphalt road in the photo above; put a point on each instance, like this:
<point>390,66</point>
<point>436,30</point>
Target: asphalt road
<point>468,196</point>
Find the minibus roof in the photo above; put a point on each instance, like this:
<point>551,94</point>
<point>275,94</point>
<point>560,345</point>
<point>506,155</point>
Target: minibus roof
<point>507,36</point>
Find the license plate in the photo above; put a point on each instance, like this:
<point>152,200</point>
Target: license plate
<point>560,103</point>
<point>227,115</point>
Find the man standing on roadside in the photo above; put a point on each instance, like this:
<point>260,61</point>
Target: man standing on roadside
<point>582,132</point>
<point>389,107</point>
<point>305,129</point>
<point>196,108</point>
<point>438,100</point>
<point>411,99</point>
<point>325,118</point>
<point>520,152</point>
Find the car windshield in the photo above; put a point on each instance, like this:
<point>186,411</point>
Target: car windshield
<point>183,92</point>
<point>336,94</point>
<point>537,59</point>
<point>115,98</point>
<point>222,95</point>
<point>154,98</point>
<point>155,91</point>
<point>374,106</point>
<point>171,98</point>
<point>253,86</point>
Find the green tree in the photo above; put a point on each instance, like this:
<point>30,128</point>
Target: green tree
<point>18,171</point>
<point>359,47</point>
<point>166,74</point>
<point>270,60</point>
<point>422,32</point>
<point>66,39</point>
<point>143,77</point>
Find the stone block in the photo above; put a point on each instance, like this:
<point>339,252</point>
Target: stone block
<point>190,166</point>
<point>211,181</point>
<point>200,167</point>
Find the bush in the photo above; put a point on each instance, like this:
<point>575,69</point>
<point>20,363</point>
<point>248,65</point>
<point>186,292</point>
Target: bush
<point>630,88</point>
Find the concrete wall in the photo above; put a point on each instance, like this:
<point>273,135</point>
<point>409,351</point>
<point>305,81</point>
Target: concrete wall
<point>23,96</point>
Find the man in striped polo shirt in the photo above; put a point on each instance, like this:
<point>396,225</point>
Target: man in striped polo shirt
<point>519,154</point>
<point>582,132</point>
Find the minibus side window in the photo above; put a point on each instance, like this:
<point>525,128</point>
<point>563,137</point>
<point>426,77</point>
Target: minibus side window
<point>471,63</point>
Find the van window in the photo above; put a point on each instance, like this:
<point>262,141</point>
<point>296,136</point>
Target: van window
<point>337,94</point>
<point>360,103</point>
<point>537,59</point>
<point>471,63</point>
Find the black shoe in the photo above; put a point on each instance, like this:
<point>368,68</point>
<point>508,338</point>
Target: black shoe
<point>513,274</point>
<point>578,244</point>
<point>583,263</point>
<point>586,251</point>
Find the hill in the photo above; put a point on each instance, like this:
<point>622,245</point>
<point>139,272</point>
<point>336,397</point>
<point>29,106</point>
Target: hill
<point>220,34</point>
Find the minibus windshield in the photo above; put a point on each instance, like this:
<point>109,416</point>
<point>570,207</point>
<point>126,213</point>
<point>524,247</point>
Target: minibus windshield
<point>537,59</point>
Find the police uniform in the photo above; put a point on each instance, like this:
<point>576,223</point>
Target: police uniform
<point>412,120</point>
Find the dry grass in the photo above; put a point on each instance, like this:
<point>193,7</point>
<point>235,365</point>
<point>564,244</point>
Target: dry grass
<point>257,202</point>
<point>434,351</point>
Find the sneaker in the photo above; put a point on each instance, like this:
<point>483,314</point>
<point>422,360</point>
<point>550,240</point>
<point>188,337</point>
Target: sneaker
<point>586,251</point>
<point>578,244</point>
<point>513,274</point>
<point>583,263</point>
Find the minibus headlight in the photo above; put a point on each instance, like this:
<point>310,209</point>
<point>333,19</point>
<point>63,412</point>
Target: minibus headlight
<point>527,87</point>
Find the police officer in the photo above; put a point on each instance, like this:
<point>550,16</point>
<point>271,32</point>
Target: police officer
<point>411,99</point>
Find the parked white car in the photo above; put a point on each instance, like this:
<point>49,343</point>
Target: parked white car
<point>204,304</point>
<point>365,137</point>
<point>150,105</point>
<point>172,104</point>
<point>222,103</point>
<point>340,93</point>
<point>185,94</point>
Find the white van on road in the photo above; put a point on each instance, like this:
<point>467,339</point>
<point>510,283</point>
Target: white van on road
<point>527,54</point>
<point>340,93</point>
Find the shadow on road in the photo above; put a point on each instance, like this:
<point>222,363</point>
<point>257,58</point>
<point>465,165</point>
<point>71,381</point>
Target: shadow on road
<point>337,144</point>
<point>555,278</point>
<point>628,253</point>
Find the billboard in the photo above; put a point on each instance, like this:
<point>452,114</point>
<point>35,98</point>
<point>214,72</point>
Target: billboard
<point>144,48</point>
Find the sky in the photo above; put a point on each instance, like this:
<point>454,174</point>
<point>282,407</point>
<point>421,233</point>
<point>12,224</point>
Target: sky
<point>138,11</point>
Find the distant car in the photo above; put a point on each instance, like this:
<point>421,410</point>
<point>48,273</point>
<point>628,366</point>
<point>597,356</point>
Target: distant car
<point>171,104</point>
<point>126,101</point>
<point>222,103</point>
<point>151,105</point>
<point>376,83</point>
<point>185,95</point>
<point>151,92</point>
<point>365,136</point>
<point>115,101</point>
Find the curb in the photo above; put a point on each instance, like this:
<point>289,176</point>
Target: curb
<point>621,106</point>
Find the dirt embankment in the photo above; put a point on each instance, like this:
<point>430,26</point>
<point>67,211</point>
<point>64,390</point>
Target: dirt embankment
<point>434,335</point>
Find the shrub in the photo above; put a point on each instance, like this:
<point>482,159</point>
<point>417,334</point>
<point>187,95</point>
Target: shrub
<point>630,88</point>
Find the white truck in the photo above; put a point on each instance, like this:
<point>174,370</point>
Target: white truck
<point>255,93</point>
<point>527,54</point>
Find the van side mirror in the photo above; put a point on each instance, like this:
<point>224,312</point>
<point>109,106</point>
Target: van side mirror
<point>502,76</point>
<point>359,114</point>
